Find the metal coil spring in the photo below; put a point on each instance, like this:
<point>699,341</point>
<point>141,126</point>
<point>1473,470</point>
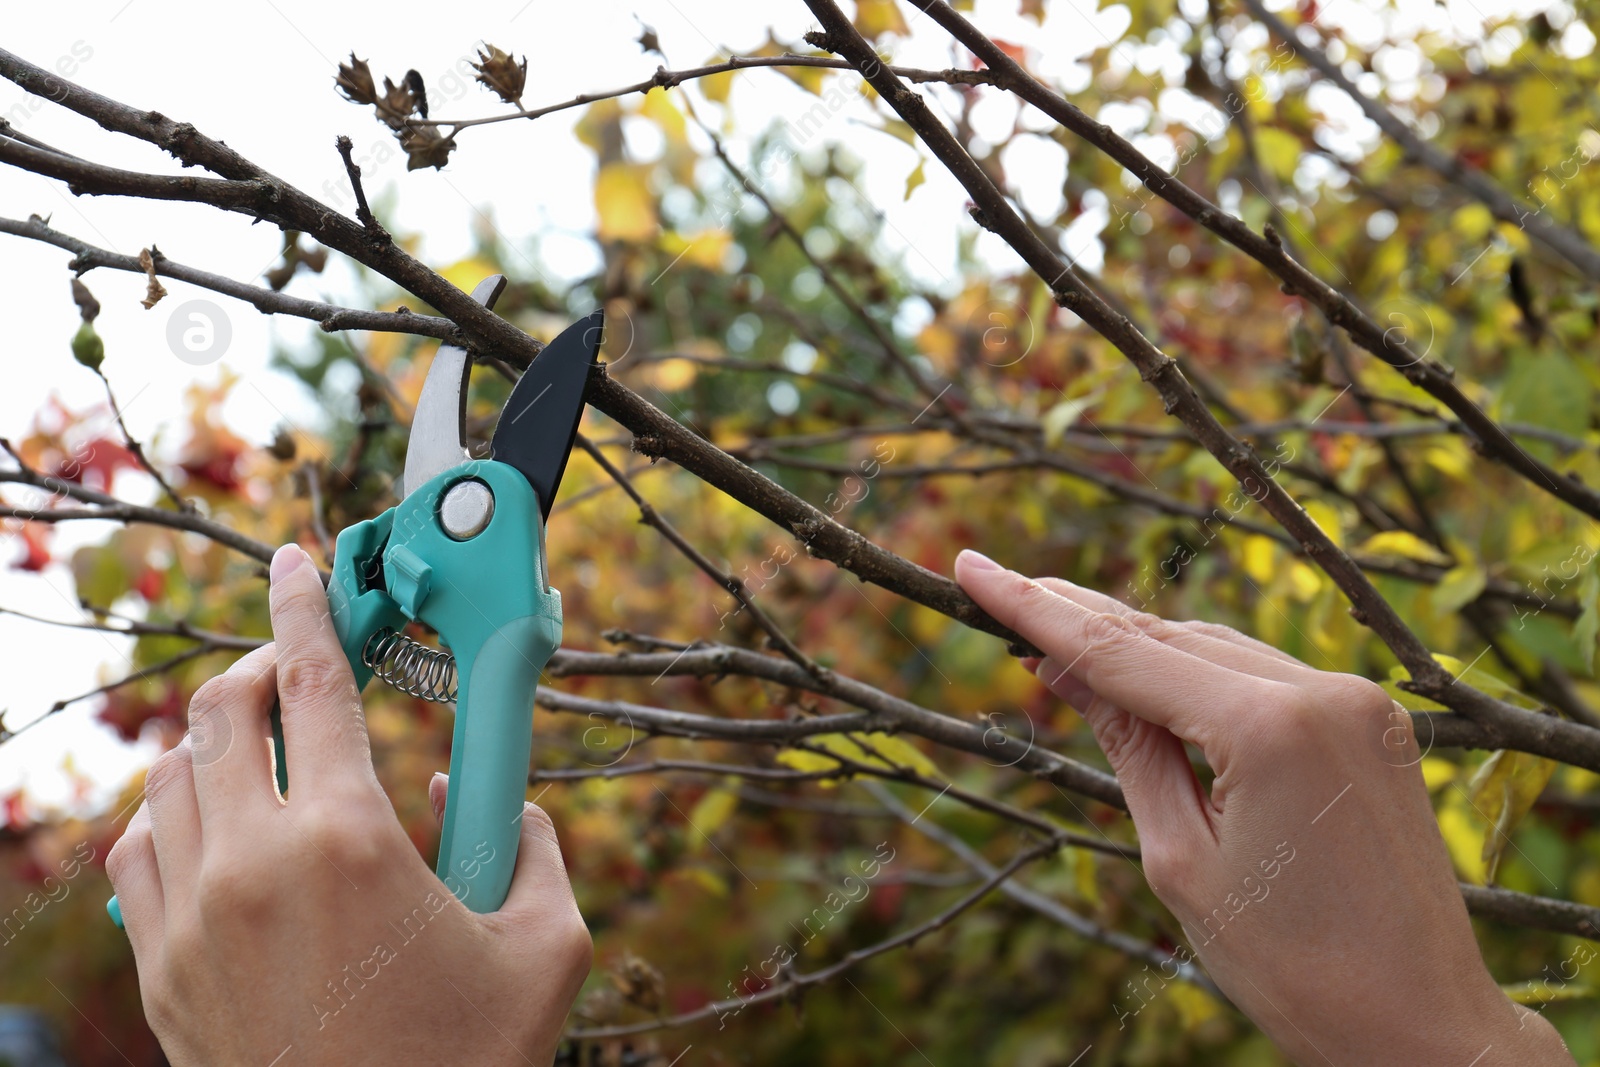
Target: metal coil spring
<point>411,666</point>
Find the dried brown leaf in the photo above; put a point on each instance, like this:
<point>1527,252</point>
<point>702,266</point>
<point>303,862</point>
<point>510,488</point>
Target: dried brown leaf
<point>500,72</point>
<point>639,982</point>
<point>88,306</point>
<point>153,290</point>
<point>396,104</point>
<point>425,147</point>
<point>354,80</point>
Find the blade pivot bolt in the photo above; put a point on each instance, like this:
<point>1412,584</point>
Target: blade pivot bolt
<point>466,509</point>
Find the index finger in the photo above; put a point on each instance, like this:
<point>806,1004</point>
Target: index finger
<point>324,730</point>
<point>1112,656</point>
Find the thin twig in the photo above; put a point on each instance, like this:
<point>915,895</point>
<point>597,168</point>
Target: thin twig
<point>789,985</point>
<point>654,519</point>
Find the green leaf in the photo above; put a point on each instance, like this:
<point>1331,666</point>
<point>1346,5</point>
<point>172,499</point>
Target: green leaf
<point>1459,587</point>
<point>1060,418</point>
<point>1587,628</point>
<point>1549,390</point>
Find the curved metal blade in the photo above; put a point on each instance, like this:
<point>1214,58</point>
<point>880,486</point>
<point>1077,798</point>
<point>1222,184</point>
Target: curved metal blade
<point>439,427</point>
<point>541,416</point>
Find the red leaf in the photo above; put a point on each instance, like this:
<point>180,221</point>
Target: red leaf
<point>36,548</point>
<point>885,901</point>
<point>1015,51</point>
<point>96,464</point>
<point>150,584</point>
<point>12,812</point>
<point>127,713</point>
<point>221,469</point>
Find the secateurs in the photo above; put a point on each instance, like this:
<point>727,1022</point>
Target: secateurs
<point>464,553</point>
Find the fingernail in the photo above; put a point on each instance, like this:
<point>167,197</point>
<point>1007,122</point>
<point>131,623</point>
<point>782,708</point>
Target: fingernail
<point>285,561</point>
<point>437,797</point>
<point>978,561</point>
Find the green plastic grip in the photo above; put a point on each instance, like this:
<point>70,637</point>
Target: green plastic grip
<point>489,599</point>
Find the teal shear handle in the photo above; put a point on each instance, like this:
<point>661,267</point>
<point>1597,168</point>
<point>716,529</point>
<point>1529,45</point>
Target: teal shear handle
<point>488,597</point>
<point>463,553</point>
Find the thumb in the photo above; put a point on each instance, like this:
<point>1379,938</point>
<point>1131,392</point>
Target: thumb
<point>1164,796</point>
<point>539,883</point>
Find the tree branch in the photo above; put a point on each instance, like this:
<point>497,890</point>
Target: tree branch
<point>1387,344</point>
<point>991,210</point>
<point>1564,242</point>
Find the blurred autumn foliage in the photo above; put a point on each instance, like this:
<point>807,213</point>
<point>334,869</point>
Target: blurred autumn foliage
<point>781,331</point>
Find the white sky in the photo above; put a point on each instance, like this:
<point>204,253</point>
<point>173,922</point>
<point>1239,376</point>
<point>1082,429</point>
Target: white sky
<point>259,74</point>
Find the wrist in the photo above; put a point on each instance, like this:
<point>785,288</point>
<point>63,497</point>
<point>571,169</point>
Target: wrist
<point>1535,1042</point>
<point>1443,1029</point>
<point>1492,1032</point>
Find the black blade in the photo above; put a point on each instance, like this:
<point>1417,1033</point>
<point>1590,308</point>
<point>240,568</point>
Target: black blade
<point>541,417</point>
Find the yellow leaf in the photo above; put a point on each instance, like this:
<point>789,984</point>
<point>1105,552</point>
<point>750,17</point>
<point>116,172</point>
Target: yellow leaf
<point>1060,418</point>
<point>1195,1006</point>
<point>1479,676</point>
<point>597,120</point>
<point>874,17</point>
<point>1404,544</point>
<point>1033,9</point>
<point>712,810</point>
<point>1259,558</point>
<point>706,250</point>
<point>1437,772</point>
<point>1451,458</point>
<point>466,273</point>
<point>809,763</point>
<point>1503,791</point>
<point>716,86</point>
<point>1084,868</point>
<point>1408,700</point>
<point>899,751</point>
<point>622,199</point>
<point>1304,581</point>
<point>808,78</point>
<point>659,108</point>
<point>710,881</point>
<point>926,625</point>
<point>1464,843</point>
<point>1327,519</point>
<point>1257,98</point>
<point>875,749</point>
<point>1280,151</point>
<point>1472,222</point>
<point>1535,102</point>
<point>915,178</point>
<point>1540,991</point>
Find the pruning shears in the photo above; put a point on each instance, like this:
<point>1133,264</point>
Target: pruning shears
<point>463,553</point>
